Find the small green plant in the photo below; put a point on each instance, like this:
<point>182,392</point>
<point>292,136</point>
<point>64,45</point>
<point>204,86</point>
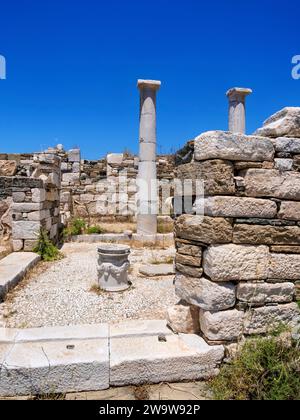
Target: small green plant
<point>298,303</point>
<point>95,230</point>
<point>75,227</point>
<point>46,249</point>
<point>265,369</point>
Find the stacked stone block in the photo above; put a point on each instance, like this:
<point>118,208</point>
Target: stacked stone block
<point>238,265</point>
<point>5,213</point>
<point>104,190</point>
<point>16,164</point>
<point>35,203</point>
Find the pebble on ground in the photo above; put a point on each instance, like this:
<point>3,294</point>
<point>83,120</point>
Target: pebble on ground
<point>61,295</point>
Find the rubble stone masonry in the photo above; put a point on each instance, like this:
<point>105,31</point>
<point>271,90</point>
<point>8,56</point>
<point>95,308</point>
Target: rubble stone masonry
<point>238,265</point>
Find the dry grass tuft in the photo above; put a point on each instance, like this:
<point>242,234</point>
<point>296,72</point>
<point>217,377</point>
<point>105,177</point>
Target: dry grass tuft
<point>95,288</point>
<point>141,393</point>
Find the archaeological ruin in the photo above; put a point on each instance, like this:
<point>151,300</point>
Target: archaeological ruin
<point>233,203</point>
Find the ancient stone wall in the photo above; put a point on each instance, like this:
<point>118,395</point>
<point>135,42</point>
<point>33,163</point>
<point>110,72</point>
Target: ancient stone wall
<point>29,199</point>
<point>36,203</point>
<point>105,189</point>
<point>10,165</point>
<point>102,190</point>
<point>238,253</point>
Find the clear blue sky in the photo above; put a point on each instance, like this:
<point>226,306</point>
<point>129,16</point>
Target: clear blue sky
<point>72,68</point>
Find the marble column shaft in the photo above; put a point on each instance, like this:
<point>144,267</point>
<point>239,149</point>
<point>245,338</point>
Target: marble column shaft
<point>147,177</point>
<point>237,109</point>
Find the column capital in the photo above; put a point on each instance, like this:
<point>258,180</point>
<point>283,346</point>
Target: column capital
<point>237,92</point>
<point>150,84</point>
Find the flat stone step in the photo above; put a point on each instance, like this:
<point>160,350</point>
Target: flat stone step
<point>13,268</point>
<point>95,357</point>
<point>78,332</point>
<point>54,359</point>
<point>139,328</point>
<point>54,367</point>
<point>159,270</point>
<point>136,361</point>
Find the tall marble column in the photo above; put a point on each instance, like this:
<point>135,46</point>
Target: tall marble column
<point>237,109</point>
<point>147,198</point>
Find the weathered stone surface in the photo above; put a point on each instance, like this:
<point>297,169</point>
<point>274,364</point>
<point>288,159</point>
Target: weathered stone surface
<point>13,268</point>
<point>17,245</point>
<point>262,320</point>
<point>284,267</point>
<point>5,217</point>
<point>20,183</point>
<point>62,333</point>
<point>284,123</point>
<point>25,207</point>
<point>25,230</point>
<point>289,210</point>
<point>285,249</point>
<point>183,318</point>
<point>263,293</point>
<point>227,206</point>
<point>206,230</point>
<point>38,195</point>
<point>272,183</point>
<point>8,167</point>
<point>188,260</point>
<point>236,262</point>
<point>232,146</point>
<point>136,361</point>
<point>74,155</point>
<point>265,222</point>
<point>157,270</point>
<point>39,368</point>
<point>189,271</point>
<point>222,326</point>
<point>297,285</point>
<point>266,235</point>
<point>185,155</point>
<point>30,245</point>
<point>296,159</point>
<point>65,197</point>
<point>287,145</point>
<point>139,328</point>
<point>284,164</point>
<point>204,293</point>
<point>4,205</point>
<point>18,197</point>
<point>217,175</point>
<point>241,166</point>
<point>70,178</point>
<point>187,249</point>
<point>115,159</point>
<point>37,216</point>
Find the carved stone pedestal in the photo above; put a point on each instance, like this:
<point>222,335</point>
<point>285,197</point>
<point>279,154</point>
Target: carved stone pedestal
<point>113,267</point>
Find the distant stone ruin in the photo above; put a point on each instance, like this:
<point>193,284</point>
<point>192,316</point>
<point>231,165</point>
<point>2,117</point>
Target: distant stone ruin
<point>97,191</point>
